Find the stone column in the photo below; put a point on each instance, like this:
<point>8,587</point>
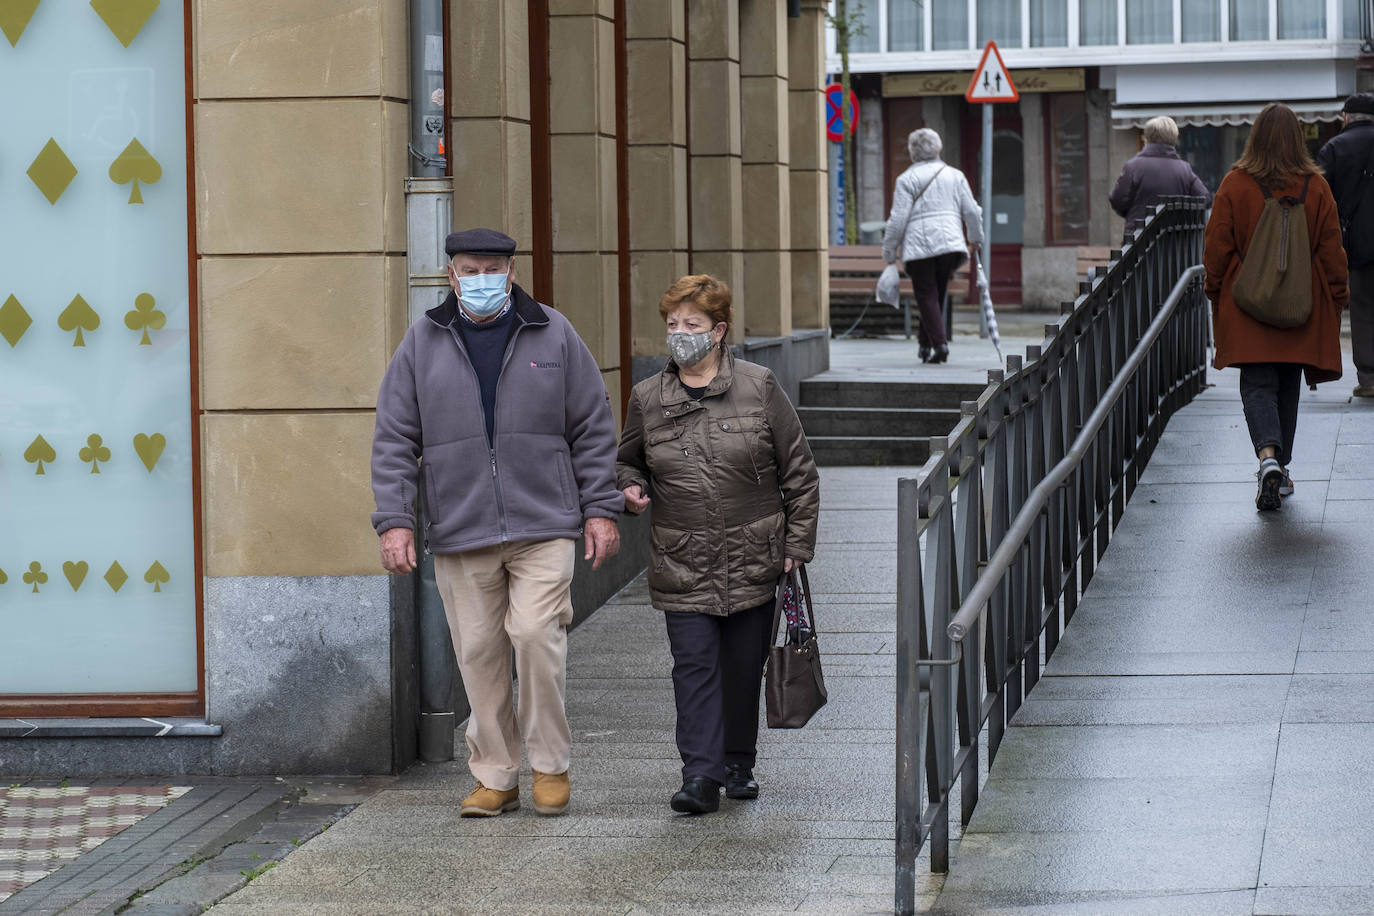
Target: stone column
<point>582,104</point>
<point>657,137</point>
<point>807,167</point>
<point>489,136</point>
<point>767,182</point>
<point>715,147</point>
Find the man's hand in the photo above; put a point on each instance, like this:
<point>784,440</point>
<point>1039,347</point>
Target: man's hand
<point>398,551</point>
<point>603,540</point>
<point>635,500</point>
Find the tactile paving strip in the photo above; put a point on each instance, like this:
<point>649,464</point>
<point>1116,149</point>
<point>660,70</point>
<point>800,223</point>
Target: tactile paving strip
<point>43,828</point>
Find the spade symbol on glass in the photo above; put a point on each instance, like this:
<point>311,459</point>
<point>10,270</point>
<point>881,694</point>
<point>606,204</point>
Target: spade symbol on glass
<point>156,576</point>
<point>145,316</point>
<point>135,164</point>
<point>38,452</point>
<point>78,317</point>
<point>94,452</point>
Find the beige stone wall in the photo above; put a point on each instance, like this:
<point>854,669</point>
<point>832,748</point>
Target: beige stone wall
<point>300,134</point>
<point>301,125</point>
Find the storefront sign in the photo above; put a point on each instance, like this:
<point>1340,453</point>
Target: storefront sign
<point>954,82</point>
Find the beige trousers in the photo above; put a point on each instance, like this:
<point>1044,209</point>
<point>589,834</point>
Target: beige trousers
<point>499,598</point>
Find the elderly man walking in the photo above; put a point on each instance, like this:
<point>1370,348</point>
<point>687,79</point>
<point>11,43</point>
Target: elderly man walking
<point>498,402</point>
<point>1348,161</point>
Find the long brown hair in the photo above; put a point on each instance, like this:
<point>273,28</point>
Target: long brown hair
<point>1275,153</point>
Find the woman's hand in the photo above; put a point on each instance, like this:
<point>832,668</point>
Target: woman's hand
<point>788,565</point>
<point>635,500</point>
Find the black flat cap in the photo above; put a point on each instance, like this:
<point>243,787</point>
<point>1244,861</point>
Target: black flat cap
<point>486,242</point>
<point>1360,103</point>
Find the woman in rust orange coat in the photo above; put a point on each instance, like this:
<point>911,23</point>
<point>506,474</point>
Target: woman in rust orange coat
<point>1273,360</point>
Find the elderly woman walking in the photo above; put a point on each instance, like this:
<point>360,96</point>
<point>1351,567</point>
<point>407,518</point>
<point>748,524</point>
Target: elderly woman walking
<point>714,444</point>
<point>934,219</point>
<point>1272,360</point>
<point>1154,172</point>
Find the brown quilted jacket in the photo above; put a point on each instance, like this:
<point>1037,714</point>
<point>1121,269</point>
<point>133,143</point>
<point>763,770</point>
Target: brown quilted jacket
<point>734,488</point>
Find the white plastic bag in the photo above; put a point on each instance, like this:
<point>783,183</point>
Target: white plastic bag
<point>889,288</point>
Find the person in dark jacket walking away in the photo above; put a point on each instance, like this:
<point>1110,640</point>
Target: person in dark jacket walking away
<point>1154,172</point>
<point>716,446</point>
<point>1348,161</point>
<point>499,403</point>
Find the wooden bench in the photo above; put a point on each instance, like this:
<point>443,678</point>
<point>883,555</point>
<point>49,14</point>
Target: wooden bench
<point>854,271</point>
<point>1090,257</point>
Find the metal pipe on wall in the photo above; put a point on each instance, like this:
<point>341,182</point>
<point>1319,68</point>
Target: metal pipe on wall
<point>429,218</point>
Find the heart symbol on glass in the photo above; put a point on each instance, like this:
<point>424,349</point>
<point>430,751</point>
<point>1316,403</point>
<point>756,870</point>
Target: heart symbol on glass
<point>75,573</point>
<point>149,448</point>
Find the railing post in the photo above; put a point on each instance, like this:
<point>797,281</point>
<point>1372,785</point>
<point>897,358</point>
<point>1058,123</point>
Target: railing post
<point>910,721</point>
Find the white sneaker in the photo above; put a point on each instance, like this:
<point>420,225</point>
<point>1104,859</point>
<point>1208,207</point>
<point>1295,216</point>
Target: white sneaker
<point>1267,498</point>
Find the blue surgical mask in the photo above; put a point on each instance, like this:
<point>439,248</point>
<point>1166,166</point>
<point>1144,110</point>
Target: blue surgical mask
<point>483,294</point>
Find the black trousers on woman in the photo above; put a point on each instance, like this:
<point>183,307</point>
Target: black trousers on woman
<point>717,676</point>
<point>930,281</point>
<point>1269,393</point>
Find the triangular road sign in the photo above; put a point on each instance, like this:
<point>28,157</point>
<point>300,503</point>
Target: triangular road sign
<point>991,82</point>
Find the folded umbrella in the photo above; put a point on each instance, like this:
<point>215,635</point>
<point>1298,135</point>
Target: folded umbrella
<point>989,316</point>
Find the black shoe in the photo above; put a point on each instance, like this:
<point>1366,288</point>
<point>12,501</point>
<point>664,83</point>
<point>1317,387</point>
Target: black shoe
<point>941,354</point>
<point>924,354</point>
<point>698,795</point>
<point>739,782</point>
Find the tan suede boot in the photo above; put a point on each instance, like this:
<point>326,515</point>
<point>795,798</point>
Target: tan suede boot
<point>484,802</point>
<point>551,792</point>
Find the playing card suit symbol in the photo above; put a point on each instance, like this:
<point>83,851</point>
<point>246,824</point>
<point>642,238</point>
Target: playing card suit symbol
<point>78,316</point>
<point>35,576</point>
<point>38,452</point>
<point>14,320</point>
<point>76,573</point>
<point>3,578</point>
<point>14,18</point>
<point>133,165</point>
<point>115,576</point>
<point>156,576</point>
<point>94,452</point>
<point>51,171</point>
<point>149,448</point>
<point>125,18</point>
<point>144,316</point>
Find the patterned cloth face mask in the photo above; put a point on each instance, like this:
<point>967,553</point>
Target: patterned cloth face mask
<point>687,348</point>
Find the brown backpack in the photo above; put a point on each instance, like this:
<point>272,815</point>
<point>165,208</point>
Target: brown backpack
<point>1274,285</point>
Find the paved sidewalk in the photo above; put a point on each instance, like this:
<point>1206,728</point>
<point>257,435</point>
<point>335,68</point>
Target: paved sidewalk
<point>819,839</point>
<point>1202,741</point>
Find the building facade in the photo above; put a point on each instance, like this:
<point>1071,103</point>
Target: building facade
<point>203,275</point>
<point>1090,73</point>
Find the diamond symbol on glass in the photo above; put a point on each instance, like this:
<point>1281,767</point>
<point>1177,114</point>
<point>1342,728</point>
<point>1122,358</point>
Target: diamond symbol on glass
<point>14,18</point>
<point>116,576</point>
<point>52,171</point>
<point>14,321</point>
<point>126,18</point>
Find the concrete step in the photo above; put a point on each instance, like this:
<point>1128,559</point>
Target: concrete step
<point>880,422</point>
<point>869,451</point>
<point>907,395</point>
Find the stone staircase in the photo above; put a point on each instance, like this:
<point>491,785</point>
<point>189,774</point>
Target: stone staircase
<point>878,423</point>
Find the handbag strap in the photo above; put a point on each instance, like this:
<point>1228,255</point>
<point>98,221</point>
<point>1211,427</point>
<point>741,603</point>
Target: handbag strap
<point>802,590</point>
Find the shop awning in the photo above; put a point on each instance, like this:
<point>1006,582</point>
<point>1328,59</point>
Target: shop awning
<point>1202,114</point>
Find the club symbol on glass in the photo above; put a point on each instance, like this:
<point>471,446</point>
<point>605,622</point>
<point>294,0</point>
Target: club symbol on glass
<point>94,452</point>
<point>145,316</point>
<point>78,316</point>
<point>35,576</point>
<point>38,452</point>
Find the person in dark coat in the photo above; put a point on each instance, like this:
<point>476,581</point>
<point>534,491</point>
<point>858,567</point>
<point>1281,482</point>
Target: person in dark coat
<point>1348,161</point>
<point>1154,172</point>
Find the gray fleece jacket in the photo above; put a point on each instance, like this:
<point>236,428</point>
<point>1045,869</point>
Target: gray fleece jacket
<point>552,463</point>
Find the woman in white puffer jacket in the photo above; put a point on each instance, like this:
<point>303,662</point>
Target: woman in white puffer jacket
<point>934,220</point>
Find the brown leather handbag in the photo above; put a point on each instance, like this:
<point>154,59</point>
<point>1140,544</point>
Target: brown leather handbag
<point>793,686</point>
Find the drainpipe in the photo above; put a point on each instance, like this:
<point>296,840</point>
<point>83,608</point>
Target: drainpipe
<point>429,218</point>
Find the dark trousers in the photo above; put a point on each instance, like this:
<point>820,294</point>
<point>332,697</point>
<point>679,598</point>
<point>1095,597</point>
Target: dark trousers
<point>930,281</point>
<point>717,675</point>
<point>1269,392</point>
<point>1362,324</point>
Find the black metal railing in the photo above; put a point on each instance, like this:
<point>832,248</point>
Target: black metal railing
<point>1002,530</point>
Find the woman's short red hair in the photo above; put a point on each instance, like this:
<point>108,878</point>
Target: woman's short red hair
<point>701,291</point>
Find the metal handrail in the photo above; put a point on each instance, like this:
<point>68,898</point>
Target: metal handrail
<point>1001,531</point>
<point>1006,554</point>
